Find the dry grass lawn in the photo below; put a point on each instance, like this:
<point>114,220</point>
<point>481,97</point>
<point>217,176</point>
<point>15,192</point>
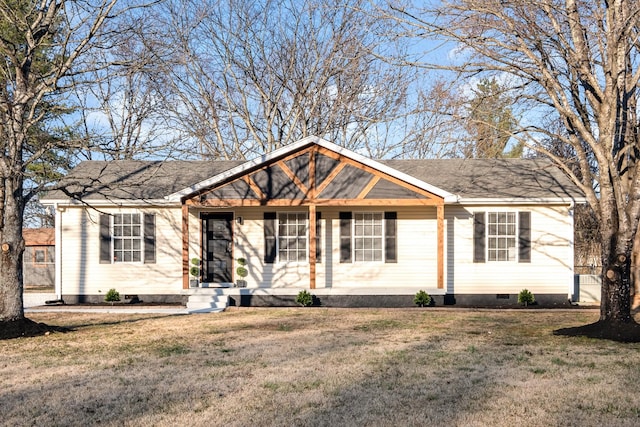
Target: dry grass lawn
<point>308,367</point>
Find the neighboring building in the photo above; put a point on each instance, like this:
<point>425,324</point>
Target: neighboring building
<point>315,216</point>
<point>39,259</point>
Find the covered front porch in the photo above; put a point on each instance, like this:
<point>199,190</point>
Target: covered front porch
<point>313,216</point>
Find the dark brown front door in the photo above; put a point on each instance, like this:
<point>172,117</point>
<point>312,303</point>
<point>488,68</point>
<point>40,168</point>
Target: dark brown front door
<point>218,246</point>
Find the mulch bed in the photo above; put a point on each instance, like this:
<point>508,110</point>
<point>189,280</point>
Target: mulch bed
<point>628,332</point>
<point>24,328</point>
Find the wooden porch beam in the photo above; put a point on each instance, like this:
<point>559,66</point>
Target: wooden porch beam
<point>324,184</point>
<point>313,191</point>
<point>254,187</point>
<point>312,246</point>
<point>185,246</point>
<point>372,183</point>
<point>292,176</point>
<point>228,203</point>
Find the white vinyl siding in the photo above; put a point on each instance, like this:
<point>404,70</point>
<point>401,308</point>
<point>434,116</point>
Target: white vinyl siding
<point>551,266</point>
<point>82,272</point>
<point>548,272</point>
<point>416,254</point>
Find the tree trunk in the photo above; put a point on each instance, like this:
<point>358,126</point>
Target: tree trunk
<point>12,248</point>
<point>615,304</point>
<point>635,273</point>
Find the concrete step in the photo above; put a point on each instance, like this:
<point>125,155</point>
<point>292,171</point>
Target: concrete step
<point>207,303</point>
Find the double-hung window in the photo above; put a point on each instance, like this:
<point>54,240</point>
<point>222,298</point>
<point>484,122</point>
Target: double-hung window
<point>368,237</point>
<point>292,236</point>
<point>286,237</point>
<point>502,236</point>
<point>127,237</point>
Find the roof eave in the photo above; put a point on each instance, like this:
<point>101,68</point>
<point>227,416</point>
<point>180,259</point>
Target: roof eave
<point>110,202</point>
<point>469,201</point>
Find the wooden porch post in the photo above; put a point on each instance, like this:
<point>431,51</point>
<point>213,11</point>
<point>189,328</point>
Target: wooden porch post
<point>440,217</point>
<point>312,246</point>
<point>185,246</point>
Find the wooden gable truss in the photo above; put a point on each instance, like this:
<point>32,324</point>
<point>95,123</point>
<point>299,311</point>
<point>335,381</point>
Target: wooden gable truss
<point>312,177</point>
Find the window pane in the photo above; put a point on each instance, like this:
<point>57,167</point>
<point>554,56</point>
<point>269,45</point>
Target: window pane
<point>39,256</point>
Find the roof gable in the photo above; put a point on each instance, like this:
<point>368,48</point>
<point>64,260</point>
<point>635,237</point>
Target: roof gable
<point>310,171</point>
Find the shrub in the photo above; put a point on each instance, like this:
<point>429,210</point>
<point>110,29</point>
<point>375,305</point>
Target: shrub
<point>242,272</point>
<point>525,297</point>
<point>112,295</point>
<point>422,299</point>
<point>194,271</point>
<point>304,298</point>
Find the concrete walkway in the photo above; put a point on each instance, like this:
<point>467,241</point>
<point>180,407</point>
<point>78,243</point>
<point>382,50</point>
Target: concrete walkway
<point>128,309</point>
<point>35,302</point>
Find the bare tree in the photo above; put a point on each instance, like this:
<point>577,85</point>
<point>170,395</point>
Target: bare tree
<point>244,78</point>
<point>119,106</point>
<point>576,60</point>
<point>44,43</point>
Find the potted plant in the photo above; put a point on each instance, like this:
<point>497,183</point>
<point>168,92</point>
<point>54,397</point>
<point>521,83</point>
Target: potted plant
<point>194,272</point>
<point>242,272</point>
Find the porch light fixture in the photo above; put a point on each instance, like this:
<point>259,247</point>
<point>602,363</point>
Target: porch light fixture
<point>239,220</point>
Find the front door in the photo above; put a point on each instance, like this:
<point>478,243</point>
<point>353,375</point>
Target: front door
<point>218,245</point>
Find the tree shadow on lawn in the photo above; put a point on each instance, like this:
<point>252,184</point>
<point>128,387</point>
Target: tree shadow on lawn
<point>25,328</point>
<point>627,332</point>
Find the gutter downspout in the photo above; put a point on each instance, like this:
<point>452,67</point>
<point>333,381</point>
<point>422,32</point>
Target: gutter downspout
<point>572,287</point>
<point>58,250</point>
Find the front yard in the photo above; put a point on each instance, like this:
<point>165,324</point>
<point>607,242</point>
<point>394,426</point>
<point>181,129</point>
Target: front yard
<point>250,366</point>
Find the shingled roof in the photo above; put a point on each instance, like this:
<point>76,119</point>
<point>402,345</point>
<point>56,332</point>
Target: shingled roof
<point>492,178</point>
<point>135,180</point>
<point>526,179</point>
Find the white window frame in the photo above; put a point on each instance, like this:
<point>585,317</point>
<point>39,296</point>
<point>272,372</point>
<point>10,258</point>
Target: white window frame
<point>502,236</point>
<point>131,238</point>
<point>295,239</point>
<point>365,254</point>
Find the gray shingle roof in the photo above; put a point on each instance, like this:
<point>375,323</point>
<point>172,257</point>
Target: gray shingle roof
<point>491,178</point>
<point>135,180</point>
<point>478,178</point>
